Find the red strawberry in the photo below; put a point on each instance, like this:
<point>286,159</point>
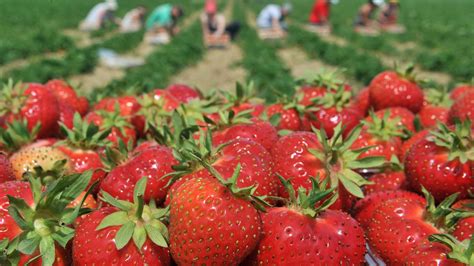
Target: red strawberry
<point>318,87</point>
<point>464,227</point>
<point>119,126</point>
<point>168,102</point>
<point>18,189</point>
<point>362,101</point>
<point>431,254</point>
<point>127,105</point>
<point>222,227</point>
<point>333,108</point>
<point>392,177</point>
<point>244,100</point>
<point>290,118</point>
<point>436,108</point>
<point>392,89</point>
<point>406,146</point>
<point>153,163</point>
<point>82,145</point>
<point>404,116</point>
<point>299,234</point>
<point>302,155</point>
<point>67,96</point>
<point>32,102</point>
<point>443,162</point>
<point>6,170</point>
<point>108,232</point>
<point>459,91</point>
<point>365,208</point>
<point>183,93</point>
<point>463,108</point>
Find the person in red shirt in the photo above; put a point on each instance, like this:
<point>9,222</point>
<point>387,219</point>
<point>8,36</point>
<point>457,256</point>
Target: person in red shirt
<point>320,12</point>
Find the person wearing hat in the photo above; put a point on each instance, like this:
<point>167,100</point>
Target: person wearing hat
<point>99,16</point>
<point>215,30</point>
<point>364,22</point>
<point>164,18</point>
<point>272,18</point>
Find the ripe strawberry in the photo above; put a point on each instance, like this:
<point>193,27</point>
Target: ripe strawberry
<point>32,102</point>
<point>119,126</point>
<point>443,162</point>
<point>67,96</point>
<point>317,87</point>
<point>300,234</point>
<point>436,108</point>
<point>82,145</point>
<point>406,146</point>
<point>167,101</point>
<point>154,163</point>
<point>183,93</point>
<point>107,233</point>
<point>127,105</point>
<point>404,116</point>
<point>335,107</point>
<point>383,134</point>
<point>362,101</point>
<point>395,89</point>
<point>365,208</point>
<point>244,100</point>
<point>41,213</point>
<point>6,170</point>
<point>463,108</point>
<point>302,155</point>
<point>464,223</point>
<point>431,254</point>
<point>459,91</point>
<point>222,226</point>
<point>392,177</point>
<point>290,118</point>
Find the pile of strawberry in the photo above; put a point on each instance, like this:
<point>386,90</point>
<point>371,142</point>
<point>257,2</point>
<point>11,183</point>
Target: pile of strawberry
<point>174,176</point>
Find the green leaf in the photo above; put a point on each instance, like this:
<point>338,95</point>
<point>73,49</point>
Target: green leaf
<point>47,251</point>
<point>367,162</point>
<point>114,219</point>
<point>123,205</point>
<point>124,234</point>
<point>140,187</point>
<point>351,187</point>
<point>63,235</point>
<point>29,245</point>
<point>139,236</point>
<point>156,236</point>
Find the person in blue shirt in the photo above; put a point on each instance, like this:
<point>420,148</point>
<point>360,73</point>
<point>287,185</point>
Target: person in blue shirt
<point>164,17</point>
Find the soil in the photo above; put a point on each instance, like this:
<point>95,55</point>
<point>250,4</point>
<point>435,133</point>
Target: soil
<point>30,60</point>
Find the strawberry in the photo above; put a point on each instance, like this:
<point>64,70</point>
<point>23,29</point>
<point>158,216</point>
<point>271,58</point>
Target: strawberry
<point>464,222</point>
<point>82,145</point>
<point>398,226</point>
<point>431,254</point>
<point>365,208</point>
<point>15,135</point>
<point>383,134</point>
<point>396,89</point>
<point>289,117</point>
<point>107,233</point>
<point>6,170</point>
<point>362,101</point>
<point>168,101</point>
<point>406,146</point>
<point>436,108</point>
<point>301,234</point>
<point>67,96</point>
<point>392,177</point>
<point>463,108</point>
<point>183,93</point>
<point>154,163</point>
<point>222,227</point>
<point>127,105</point>
<point>459,91</point>
<point>405,118</point>
<point>119,126</point>
<point>302,155</point>
<point>449,149</point>
<point>317,87</point>
<point>39,219</point>
<point>32,102</point>
<point>333,108</point>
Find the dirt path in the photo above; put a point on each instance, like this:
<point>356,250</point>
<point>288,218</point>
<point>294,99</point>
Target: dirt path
<point>218,69</point>
<point>103,75</point>
<point>33,59</point>
<point>83,39</point>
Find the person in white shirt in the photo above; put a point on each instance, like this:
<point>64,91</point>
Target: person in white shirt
<point>99,15</point>
<point>273,17</point>
<point>133,20</point>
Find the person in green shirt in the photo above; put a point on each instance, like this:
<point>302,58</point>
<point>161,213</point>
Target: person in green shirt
<point>164,17</point>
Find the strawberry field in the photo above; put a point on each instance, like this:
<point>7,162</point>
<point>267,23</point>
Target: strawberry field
<point>336,148</point>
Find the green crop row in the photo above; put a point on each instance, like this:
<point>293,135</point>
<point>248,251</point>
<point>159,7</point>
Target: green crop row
<point>186,48</point>
<point>261,61</point>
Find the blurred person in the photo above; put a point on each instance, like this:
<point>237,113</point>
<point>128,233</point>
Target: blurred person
<point>388,17</point>
<point>364,22</point>
<point>99,16</point>
<point>320,13</point>
<point>165,18</point>
<point>215,30</point>
<point>271,20</point>
<point>133,20</point>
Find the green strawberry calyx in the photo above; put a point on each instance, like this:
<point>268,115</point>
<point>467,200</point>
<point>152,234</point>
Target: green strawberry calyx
<point>244,93</point>
<point>439,215</point>
<point>438,97</point>
<point>48,222</point>
<point>307,201</point>
<point>324,79</point>
<point>116,155</point>
<point>459,141</point>
<point>175,136</point>
<point>384,128</point>
<point>460,251</point>
<point>12,97</point>
<point>408,73</point>
<point>137,221</point>
<point>16,135</point>
<point>83,135</point>
<point>337,97</point>
<point>341,162</point>
<point>114,120</point>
